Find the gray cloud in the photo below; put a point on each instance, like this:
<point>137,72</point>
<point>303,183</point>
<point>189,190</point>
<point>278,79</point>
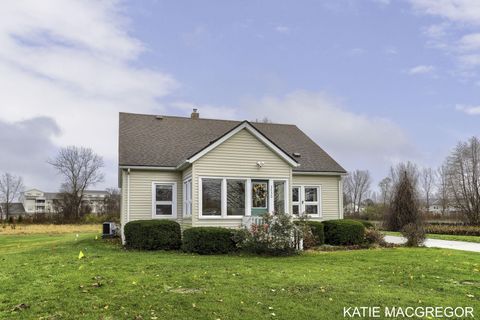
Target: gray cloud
<point>25,147</point>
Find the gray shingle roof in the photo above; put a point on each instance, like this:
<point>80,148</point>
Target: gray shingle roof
<point>145,140</point>
<point>16,208</point>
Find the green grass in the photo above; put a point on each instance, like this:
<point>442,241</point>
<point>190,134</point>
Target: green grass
<point>45,273</point>
<point>442,236</point>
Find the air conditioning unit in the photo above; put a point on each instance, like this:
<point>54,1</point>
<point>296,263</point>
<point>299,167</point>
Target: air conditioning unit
<point>109,230</point>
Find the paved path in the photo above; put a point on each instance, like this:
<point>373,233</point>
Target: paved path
<point>437,243</point>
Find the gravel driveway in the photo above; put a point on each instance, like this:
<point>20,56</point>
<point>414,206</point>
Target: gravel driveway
<point>436,243</point>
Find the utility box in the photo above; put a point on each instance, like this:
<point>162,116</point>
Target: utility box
<point>109,230</point>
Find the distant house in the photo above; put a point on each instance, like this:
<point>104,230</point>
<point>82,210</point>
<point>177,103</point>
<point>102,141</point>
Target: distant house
<point>437,208</point>
<point>16,210</point>
<point>204,172</point>
<point>37,201</point>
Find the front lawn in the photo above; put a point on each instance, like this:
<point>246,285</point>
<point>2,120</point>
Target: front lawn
<point>441,236</point>
<point>43,272</point>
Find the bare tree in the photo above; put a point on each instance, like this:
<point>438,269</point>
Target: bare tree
<point>442,188</point>
<point>357,186</point>
<point>80,168</point>
<point>385,190</point>
<point>10,188</point>
<point>427,183</point>
<point>111,203</point>
<point>410,169</point>
<point>463,167</point>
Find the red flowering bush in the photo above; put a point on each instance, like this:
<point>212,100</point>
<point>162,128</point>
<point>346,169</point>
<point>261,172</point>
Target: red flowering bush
<point>276,235</point>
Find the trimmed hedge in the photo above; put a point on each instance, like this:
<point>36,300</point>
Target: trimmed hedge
<point>344,232</point>
<point>153,235</point>
<point>317,231</point>
<point>208,240</point>
<point>453,230</point>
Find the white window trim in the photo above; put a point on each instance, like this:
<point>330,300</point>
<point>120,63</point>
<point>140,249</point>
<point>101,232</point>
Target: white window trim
<point>299,202</point>
<point>302,203</point>
<point>173,202</point>
<point>187,203</point>
<point>223,204</point>
<point>286,191</point>
<point>248,196</point>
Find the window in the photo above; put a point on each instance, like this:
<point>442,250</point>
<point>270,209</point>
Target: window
<point>296,200</point>
<point>306,199</point>
<point>279,197</point>
<point>222,197</point>
<point>259,195</point>
<point>187,198</point>
<point>212,197</point>
<point>311,200</point>
<point>236,197</point>
<point>164,202</point>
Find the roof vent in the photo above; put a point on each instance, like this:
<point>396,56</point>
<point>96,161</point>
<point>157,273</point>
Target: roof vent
<point>297,154</point>
<point>159,117</point>
<point>195,114</point>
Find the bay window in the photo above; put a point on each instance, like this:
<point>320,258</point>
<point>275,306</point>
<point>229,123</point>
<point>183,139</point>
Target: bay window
<point>234,198</point>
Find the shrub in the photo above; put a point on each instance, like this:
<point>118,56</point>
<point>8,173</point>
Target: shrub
<point>153,235</point>
<point>343,232</point>
<point>454,230</point>
<point>414,233</point>
<point>273,237</point>
<point>367,224</point>
<point>404,208</point>
<point>208,240</point>
<point>318,233</point>
<point>374,237</point>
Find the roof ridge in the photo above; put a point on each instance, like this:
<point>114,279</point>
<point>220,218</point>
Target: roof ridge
<point>207,119</point>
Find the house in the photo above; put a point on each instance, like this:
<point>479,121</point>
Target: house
<point>37,201</point>
<point>437,208</point>
<point>16,210</point>
<point>205,172</point>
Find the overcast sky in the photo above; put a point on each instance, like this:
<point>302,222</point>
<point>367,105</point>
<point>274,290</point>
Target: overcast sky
<point>372,82</point>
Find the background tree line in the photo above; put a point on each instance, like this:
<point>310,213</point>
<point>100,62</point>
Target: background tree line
<point>80,169</point>
<point>454,186</point>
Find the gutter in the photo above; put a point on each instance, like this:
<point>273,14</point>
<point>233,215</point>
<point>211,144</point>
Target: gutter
<point>318,173</point>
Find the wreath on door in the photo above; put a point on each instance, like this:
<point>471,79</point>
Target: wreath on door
<point>259,195</point>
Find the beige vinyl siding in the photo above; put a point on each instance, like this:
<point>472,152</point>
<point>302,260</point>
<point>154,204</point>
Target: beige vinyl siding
<point>331,198</point>
<point>123,204</point>
<point>141,192</point>
<point>236,157</point>
<point>187,173</point>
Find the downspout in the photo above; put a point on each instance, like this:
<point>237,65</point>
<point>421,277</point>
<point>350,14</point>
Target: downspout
<point>128,195</point>
<point>128,207</point>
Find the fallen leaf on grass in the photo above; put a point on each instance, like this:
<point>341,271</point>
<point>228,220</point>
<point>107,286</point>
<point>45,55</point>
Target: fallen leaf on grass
<point>20,307</point>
